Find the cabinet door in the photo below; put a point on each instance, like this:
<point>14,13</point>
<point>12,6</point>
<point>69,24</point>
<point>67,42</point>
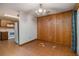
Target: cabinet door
<point>46,28</point>
<point>53,28</point>
<point>39,28</point>
<point>3,23</point>
<point>59,28</point>
<point>42,28</point>
<point>4,35</point>
<point>67,29</point>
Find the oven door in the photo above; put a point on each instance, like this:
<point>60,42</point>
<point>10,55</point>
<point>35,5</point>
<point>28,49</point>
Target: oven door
<point>11,35</point>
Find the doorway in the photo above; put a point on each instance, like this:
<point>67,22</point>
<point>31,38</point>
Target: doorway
<point>9,28</point>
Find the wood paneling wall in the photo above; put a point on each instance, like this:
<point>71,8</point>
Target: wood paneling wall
<point>56,28</point>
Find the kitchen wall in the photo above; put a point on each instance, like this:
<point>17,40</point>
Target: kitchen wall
<point>4,11</point>
<point>27,25</point>
<point>27,28</point>
<point>12,12</point>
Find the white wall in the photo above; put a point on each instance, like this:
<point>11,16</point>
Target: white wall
<point>27,28</point>
<point>78,32</point>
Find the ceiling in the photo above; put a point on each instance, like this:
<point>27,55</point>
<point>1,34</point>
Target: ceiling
<point>31,7</point>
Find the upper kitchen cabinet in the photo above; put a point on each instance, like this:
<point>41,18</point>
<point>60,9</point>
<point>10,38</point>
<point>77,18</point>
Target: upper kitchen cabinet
<point>6,24</point>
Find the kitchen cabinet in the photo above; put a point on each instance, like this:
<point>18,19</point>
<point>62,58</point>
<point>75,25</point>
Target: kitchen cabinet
<point>3,36</point>
<point>6,24</point>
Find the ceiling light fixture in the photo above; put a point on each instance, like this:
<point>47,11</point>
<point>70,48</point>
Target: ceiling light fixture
<point>41,10</point>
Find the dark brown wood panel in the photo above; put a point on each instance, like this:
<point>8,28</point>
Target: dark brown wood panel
<point>59,28</point>
<point>56,28</point>
<point>52,32</point>
<point>4,35</point>
<point>67,29</point>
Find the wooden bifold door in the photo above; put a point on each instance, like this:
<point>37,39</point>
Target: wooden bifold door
<point>56,28</point>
